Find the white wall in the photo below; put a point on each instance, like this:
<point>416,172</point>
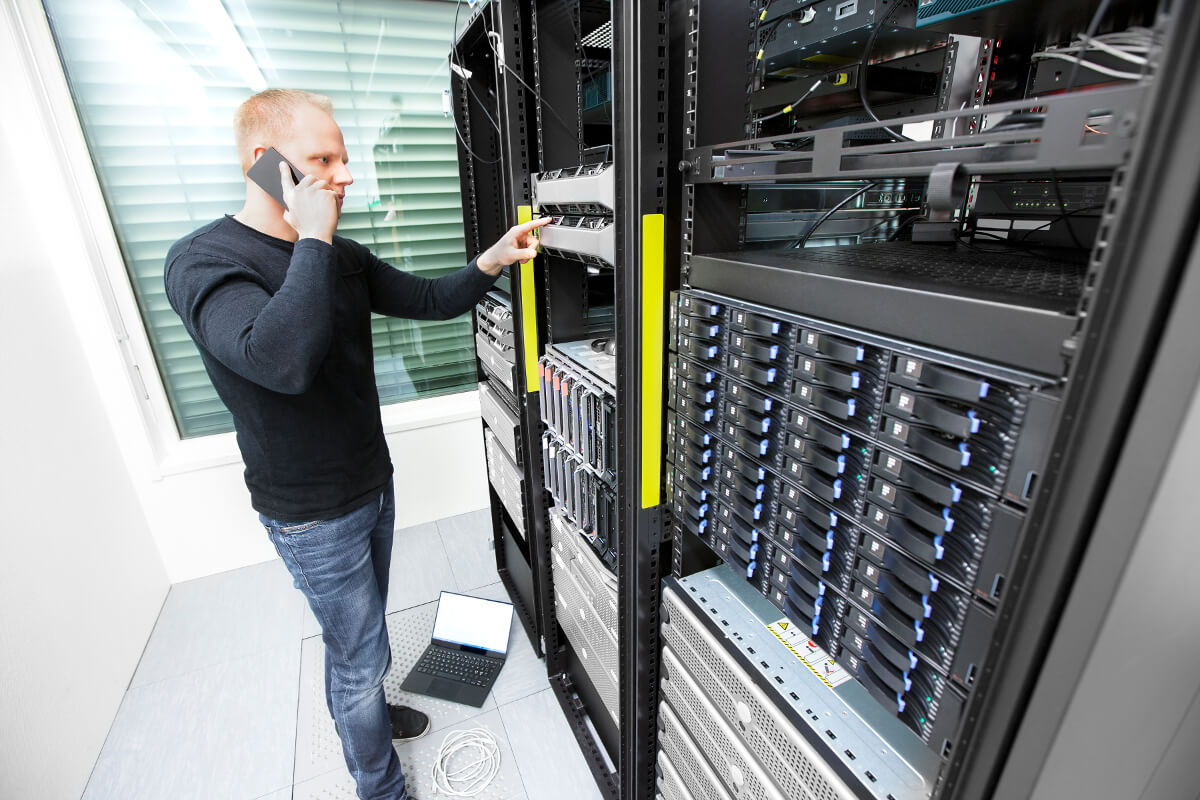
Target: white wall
<point>192,492</point>
<point>82,580</point>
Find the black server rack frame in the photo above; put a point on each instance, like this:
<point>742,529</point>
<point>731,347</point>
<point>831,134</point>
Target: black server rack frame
<point>496,155</point>
<point>647,200</point>
<point>559,56</point>
<point>573,37</point>
<point>1135,163</point>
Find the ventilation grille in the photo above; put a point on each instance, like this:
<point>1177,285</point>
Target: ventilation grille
<point>726,753</point>
<point>776,742</point>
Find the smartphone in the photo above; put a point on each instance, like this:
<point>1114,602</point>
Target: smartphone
<point>265,172</point>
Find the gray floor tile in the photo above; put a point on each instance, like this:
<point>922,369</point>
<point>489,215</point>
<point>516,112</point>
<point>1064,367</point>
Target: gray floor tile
<point>468,541</point>
<point>523,673</point>
<point>222,731</point>
<point>282,794</point>
<point>552,767</point>
<point>420,571</point>
<point>212,620</point>
<point>318,750</point>
<point>418,758</point>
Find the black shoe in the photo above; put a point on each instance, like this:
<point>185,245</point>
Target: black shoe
<point>408,724</point>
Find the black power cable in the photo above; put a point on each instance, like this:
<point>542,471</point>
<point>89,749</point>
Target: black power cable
<point>824,217</point>
<point>467,81</point>
<point>862,74</point>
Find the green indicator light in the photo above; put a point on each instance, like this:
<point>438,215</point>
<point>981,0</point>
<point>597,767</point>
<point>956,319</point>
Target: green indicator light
<point>991,469</point>
<point>922,720</point>
<point>858,477</point>
<point>928,699</point>
<point>864,451</point>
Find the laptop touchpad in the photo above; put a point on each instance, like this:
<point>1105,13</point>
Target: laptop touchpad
<point>447,690</point>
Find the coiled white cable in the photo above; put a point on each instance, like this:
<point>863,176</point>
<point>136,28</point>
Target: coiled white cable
<point>477,764</point>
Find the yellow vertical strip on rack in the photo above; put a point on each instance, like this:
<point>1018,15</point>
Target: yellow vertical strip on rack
<point>653,258</point>
<point>528,312</point>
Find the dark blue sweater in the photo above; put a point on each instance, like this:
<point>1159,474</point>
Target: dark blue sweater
<point>285,333</point>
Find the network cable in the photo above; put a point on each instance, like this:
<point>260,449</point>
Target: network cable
<point>470,778</point>
<point>492,38</point>
<point>1133,46</point>
<point>792,104</point>
<point>464,74</point>
<point>862,68</point>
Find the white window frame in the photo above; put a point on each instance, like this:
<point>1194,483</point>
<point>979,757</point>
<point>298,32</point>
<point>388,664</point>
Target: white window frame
<point>172,453</point>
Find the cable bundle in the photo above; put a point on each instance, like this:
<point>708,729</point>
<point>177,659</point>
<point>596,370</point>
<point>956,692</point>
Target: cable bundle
<point>470,778</point>
<point>1133,46</point>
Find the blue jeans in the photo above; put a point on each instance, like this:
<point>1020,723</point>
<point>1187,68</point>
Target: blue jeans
<point>341,565</point>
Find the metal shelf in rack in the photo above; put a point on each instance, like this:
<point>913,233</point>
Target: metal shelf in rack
<point>1057,139</point>
<point>944,295</point>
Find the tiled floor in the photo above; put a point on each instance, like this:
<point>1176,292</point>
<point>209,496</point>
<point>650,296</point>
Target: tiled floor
<point>227,702</point>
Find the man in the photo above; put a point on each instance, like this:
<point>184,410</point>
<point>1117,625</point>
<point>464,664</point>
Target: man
<point>280,309</point>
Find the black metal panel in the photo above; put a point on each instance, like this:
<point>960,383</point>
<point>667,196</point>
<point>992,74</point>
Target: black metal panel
<point>518,580</point>
<point>718,55</point>
<point>566,313</point>
<point>1020,329</point>
<point>557,52</point>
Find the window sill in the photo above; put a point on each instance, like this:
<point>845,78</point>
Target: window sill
<point>220,450</point>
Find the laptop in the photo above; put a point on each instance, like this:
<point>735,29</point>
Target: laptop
<point>469,645</point>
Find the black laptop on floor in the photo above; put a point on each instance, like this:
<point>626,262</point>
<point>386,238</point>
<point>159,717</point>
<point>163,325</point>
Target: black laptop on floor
<point>470,643</point>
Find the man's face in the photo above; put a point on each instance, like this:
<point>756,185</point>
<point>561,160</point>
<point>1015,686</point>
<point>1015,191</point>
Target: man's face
<point>316,147</point>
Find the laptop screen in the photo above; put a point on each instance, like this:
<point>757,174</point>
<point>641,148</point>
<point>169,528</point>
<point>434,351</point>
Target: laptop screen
<point>473,621</point>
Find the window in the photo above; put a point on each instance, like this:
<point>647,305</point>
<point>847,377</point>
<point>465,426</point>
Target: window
<point>155,84</point>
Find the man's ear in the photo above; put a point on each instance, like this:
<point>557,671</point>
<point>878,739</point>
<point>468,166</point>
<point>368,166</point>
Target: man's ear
<point>258,151</point>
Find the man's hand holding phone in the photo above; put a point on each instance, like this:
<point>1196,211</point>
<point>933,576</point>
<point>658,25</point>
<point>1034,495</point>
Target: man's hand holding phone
<point>311,206</point>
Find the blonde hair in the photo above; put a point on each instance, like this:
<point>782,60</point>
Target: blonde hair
<point>265,118</point>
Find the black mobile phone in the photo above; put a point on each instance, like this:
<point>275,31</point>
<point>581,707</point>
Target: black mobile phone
<point>265,172</point>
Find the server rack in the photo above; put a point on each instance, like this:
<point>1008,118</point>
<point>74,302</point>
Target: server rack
<point>582,132</point>
<point>496,154</point>
<point>602,69</point>
<point>742,300</point>
<point>1056,357</point>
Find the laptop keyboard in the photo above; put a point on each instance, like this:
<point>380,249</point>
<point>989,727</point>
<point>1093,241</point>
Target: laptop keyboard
<point>459,666</point>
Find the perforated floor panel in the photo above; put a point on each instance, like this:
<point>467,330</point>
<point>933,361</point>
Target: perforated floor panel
<point>418,758</point>
<point>320,770</point>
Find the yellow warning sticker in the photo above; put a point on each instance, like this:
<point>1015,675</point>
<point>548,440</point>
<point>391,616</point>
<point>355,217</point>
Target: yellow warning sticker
<point>794,638</point>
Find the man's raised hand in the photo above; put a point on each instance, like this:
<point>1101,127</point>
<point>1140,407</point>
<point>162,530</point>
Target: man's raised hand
<point>519,244</point>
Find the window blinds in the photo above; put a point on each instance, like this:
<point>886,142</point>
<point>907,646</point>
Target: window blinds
<point>155,84</point>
